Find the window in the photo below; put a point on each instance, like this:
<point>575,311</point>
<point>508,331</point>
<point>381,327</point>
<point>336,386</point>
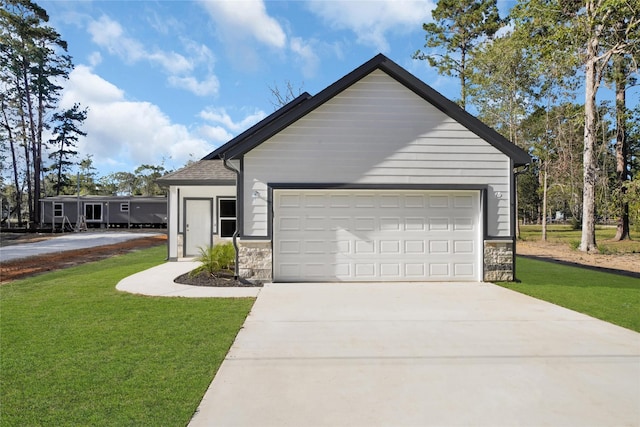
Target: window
<point>227,217</point>
<point>124,207</point>
<point>93,211</point>
<point>58,210</point>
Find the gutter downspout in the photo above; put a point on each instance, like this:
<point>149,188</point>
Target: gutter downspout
<point>235,233</point>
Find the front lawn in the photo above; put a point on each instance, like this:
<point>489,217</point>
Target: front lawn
<point>611,297</point>
<point>74,351</point>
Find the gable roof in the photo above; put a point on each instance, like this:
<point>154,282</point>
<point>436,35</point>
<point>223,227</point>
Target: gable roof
<point>203,172</point>
<point>301,106</point>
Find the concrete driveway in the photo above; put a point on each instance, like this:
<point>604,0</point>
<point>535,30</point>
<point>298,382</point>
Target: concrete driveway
<point>431,354</point>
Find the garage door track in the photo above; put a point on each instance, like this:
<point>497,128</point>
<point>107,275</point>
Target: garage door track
<point>422,354</point>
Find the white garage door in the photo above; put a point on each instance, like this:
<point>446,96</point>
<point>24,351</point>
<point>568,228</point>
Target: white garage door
<point>367,235</point>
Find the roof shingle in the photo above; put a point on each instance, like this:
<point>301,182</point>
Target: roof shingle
<point>203,172</point>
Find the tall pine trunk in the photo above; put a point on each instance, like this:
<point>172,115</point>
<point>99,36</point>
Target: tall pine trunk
<point>544,200</point>
<point>588,240</point>
<point>622,149</point>
<point>14,159</point>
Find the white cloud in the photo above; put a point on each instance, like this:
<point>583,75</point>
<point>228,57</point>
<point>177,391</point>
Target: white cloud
<point>110,35</point>
<point>84,85</point>
<point>220,115</point>
<point>209,86</point>
<point>122,134</point>
<point>172,62</point>
<point>371,20</point>
<point>239,19</point>
<point>245,29</point>
<point>306,56</point>
<point>94,59</point>
<point>215,133</point>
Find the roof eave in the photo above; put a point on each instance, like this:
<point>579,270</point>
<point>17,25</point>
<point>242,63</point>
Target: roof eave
<point>222,151</point>
<point>195,181</point>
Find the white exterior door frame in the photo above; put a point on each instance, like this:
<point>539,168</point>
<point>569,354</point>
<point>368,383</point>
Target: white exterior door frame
<point>198,224</point>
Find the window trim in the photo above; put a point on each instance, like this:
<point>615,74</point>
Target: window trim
<point>58,206</point>
<point>225,218</point>
<point>86,217</point>
<point>124,207</point>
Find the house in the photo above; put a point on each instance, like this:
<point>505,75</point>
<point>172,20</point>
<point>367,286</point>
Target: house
<point>376,178</point>
<point>103,211</point>
<point>201,207</point>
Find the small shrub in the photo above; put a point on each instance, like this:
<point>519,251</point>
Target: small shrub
<point>215,258</point>
<point>575,244</point>
<point>576,224</point>
<point>603,250</point>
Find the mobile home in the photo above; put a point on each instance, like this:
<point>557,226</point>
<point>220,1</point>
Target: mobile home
<point>104,211</point>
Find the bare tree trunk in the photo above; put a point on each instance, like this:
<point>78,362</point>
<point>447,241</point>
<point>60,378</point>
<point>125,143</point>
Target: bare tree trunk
<point>622,150</point>
<point>14,159</point>
<point>37,167</point>
<point>59,178</point>
<point>33,147</point>
<point>463,79</point>
<point>588,240</point>
<point>27,159</point>
<point>544,201</point>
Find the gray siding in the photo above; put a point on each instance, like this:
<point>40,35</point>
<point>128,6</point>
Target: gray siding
<point>143,210</point>
<point>376,132</point>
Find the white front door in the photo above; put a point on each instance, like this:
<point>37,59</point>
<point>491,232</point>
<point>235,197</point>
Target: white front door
<point>197,226</point>
<point>376,235</point>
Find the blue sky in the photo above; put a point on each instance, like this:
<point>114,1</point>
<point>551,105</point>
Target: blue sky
<point>169,81</point>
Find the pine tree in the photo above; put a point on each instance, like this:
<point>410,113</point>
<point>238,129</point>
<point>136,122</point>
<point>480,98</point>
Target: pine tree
<point>460,25</point>
<point>66,133</point>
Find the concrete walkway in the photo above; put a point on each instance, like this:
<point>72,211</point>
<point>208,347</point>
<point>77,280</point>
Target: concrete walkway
<point>432,354</point>
<point>158,281</point>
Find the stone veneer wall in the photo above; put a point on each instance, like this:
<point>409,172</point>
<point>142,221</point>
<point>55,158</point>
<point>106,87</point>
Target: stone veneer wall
<point>254,258</point>
<point>180,245</point>
<point>498,260</point>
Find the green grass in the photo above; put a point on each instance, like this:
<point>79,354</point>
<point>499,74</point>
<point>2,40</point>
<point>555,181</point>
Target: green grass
<point>74,351</point>
<point>567,235</point>
<point>610,297</point>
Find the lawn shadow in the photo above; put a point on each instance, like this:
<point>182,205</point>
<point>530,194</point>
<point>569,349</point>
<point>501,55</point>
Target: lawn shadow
<point>586,267</point>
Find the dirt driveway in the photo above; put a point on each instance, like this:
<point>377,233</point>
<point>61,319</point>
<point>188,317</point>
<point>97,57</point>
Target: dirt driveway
<point>16,269</point>
<point>562,252</point>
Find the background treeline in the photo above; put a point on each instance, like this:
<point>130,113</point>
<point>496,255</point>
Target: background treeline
<point>552,77</point>
<point>38,140</point>
<point>536,76</point>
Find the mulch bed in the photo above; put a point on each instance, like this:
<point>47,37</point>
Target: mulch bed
<point>223,280</point>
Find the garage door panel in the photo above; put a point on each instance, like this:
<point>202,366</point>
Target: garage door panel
<point>463,270</point>
<point>463,246</point>
<point>351,235</point>
<point>439,201</point>
<point>439,270</point>
<point>289,223</point>
<point>415,224</point>
<point>414,247</point>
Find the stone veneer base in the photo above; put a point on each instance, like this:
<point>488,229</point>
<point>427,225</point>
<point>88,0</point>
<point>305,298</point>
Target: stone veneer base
<point>498,260</point>
<point>255,259</point>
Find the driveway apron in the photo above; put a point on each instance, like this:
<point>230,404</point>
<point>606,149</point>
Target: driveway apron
<point>422,354</point>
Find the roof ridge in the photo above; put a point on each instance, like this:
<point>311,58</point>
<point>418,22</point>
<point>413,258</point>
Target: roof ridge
<point>288,114</point>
